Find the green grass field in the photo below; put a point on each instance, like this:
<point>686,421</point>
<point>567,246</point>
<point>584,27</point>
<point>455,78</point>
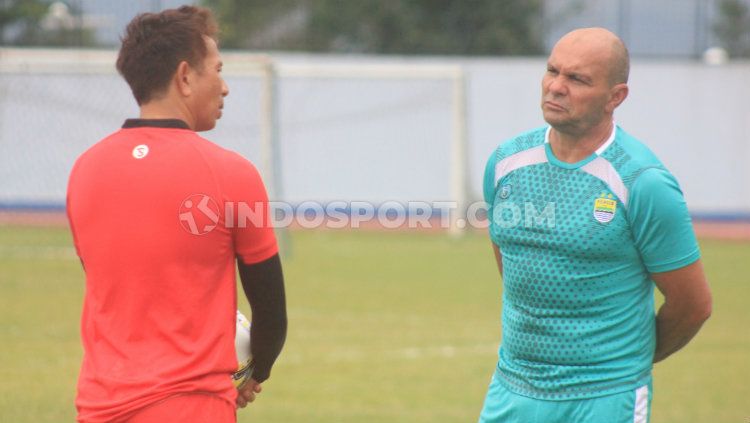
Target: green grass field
<point>384,327</point>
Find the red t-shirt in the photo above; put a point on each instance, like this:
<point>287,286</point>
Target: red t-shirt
<point>153,211</point>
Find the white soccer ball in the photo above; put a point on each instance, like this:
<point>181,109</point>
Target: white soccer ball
<point>242,347</point>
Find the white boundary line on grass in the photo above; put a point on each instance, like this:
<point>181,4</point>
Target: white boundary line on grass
<point>356,354</point>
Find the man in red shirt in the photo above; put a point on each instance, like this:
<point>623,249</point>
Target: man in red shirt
<point>153,211</point>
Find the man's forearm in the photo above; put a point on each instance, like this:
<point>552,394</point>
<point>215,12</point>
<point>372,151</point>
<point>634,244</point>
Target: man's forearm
<point>674,329</point>
<point>263,284</point>
<point>687,304</point>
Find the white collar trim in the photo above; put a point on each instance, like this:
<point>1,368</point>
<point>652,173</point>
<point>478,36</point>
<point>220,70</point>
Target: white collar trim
<point>609,141</point>
<point>601,148</point>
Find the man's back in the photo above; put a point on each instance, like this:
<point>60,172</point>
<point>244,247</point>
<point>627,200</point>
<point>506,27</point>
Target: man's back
<point>147,210</point>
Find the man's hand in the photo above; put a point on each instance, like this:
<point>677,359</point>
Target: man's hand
<point>246,393</point>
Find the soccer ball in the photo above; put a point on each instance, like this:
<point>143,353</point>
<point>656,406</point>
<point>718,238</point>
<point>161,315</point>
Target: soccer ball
<point>242,347</point>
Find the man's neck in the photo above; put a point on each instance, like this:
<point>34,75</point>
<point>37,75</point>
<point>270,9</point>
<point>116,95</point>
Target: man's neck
<point>572,148</point>
<point>163,109</point>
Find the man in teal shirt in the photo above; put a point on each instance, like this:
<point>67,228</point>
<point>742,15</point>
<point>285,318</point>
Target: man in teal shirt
<point>584,221</point>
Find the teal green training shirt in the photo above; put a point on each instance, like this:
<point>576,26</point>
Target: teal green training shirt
<point>578,242</point>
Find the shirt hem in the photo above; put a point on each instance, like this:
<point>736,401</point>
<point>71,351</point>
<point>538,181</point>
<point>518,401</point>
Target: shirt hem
<point>568,394</point>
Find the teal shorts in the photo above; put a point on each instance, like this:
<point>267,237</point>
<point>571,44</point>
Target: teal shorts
<point>504,406</point>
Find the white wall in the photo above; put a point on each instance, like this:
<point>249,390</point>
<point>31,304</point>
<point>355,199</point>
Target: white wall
<point>390,140</point>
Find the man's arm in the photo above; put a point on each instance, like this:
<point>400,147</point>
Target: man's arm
<point>263,284</point>
<point>687,304</point>
<point>498,257</point>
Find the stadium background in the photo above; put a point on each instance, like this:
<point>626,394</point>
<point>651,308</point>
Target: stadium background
<point>386,326</point>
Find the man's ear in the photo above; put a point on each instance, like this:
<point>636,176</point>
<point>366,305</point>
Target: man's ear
<point>618,94</point>
<point>183,79</point>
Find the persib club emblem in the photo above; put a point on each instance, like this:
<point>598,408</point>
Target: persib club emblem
<point>505,191</point>
<point>605,208</point>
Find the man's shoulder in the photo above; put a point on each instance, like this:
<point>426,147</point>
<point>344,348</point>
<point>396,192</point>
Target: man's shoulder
<point>229,165</point>
<point>633,147</point>
<point>96,151</point>
<point>521,142</point>
<point>207,146</point>
<point>632,158</point>
<point>218,154</point>
<point>189,147</point>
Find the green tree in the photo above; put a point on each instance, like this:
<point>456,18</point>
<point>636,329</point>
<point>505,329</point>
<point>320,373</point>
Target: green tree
<point>22,16</point>
<point>33,23</point>
<point>733,27</point>
<point>474,27</point>
<point>244,23</point>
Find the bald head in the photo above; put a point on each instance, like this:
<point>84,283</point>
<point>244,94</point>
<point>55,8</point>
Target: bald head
<point>586,80</point>
<point>601,45</point>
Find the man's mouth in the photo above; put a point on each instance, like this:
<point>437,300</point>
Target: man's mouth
<point>553,105</point>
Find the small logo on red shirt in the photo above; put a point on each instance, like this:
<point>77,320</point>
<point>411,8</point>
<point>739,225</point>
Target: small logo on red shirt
<point>140,151</point>
<point>199,214</point>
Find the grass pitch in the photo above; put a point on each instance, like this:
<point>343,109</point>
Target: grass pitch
<point>384,327</point>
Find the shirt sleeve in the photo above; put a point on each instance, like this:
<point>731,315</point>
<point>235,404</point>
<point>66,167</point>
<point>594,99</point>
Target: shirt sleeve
<point>254,238</point>
<point>661,223</point>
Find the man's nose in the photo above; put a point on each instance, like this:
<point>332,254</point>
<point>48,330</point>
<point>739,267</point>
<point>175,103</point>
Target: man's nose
<point>556,85</point>
<point>224,88</point>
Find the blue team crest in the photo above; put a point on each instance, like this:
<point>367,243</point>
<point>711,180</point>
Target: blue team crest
<point>505,191</point>
<point>605,208</point>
